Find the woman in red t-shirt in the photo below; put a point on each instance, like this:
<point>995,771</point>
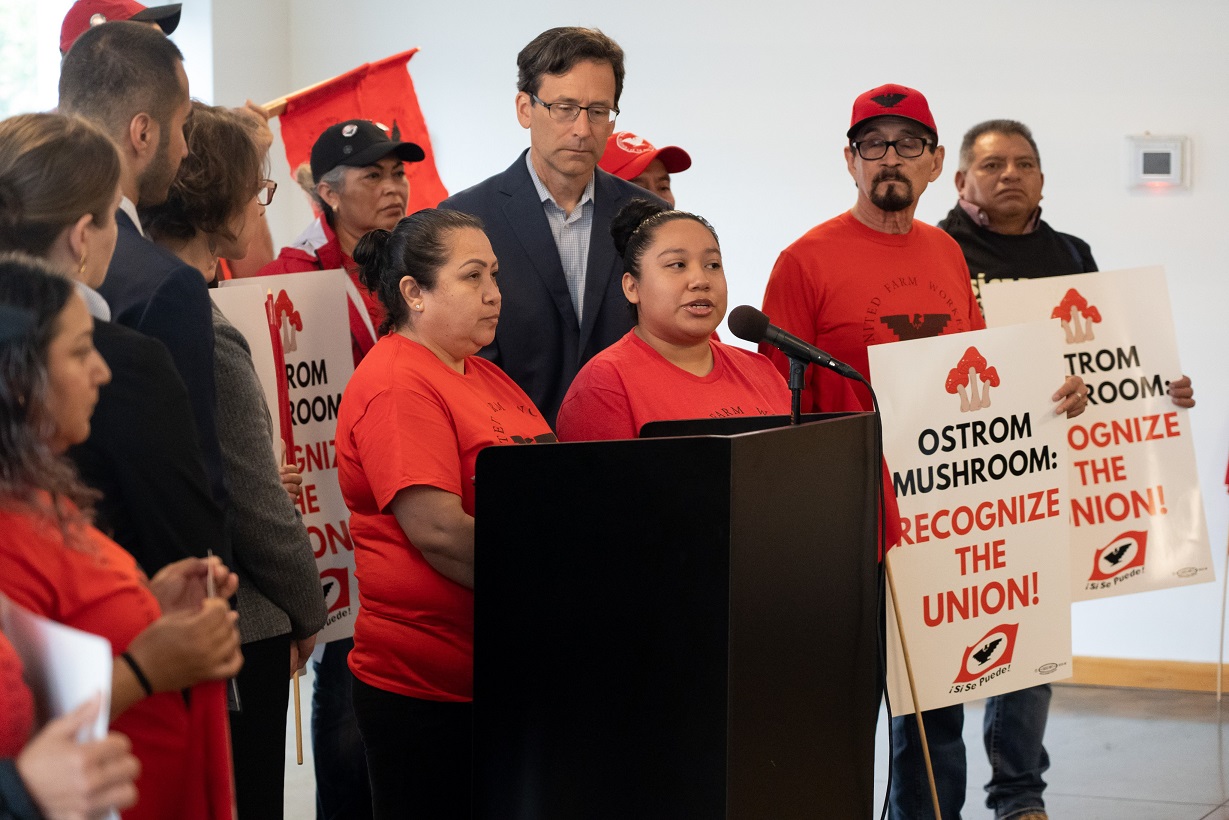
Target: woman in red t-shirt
<point>413,419</point>
<point>166,635</point>
<point>668,366</point>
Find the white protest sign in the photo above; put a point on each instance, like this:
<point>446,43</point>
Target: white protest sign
<point>1136,511</point>
<point>978,461</point>
<point>315,332</point>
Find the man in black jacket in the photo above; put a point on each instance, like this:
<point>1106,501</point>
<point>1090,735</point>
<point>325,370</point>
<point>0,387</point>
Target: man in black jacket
<point>997,221</point>
<point>998,225</point>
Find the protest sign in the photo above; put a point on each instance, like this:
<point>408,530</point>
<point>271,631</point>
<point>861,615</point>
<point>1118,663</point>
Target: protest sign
<point>315,337</point>
<point>1136,511</point>
<point>978,462</point>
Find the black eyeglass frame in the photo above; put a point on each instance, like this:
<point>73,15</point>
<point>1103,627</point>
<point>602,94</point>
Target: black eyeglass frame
<point>612,112</point>
<point>926,142</point>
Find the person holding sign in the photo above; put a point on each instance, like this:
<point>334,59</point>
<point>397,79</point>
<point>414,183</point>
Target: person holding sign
<point>875,275</point>
<point>997,223</point>
<point>668,366</point>
<point>415,415</point>
<point>215,205</point>
<point>357,182</point>
<point>167,634</point>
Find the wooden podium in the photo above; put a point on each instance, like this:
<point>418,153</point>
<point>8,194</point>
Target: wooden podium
<point>678,627</point>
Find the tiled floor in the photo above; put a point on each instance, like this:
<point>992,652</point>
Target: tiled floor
<point>1116,754</point>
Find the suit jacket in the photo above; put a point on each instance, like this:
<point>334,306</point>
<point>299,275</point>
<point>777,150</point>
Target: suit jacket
<point>151,291</point>
<point>279,587</point>
<point>538,342</point>
<point>142,454</point>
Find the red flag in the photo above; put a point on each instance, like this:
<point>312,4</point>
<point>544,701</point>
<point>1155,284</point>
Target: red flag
<point>381,92</point>
<point>283,385</point>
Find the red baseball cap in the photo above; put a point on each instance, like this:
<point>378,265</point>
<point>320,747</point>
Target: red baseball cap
<point>627,155</point>
<point>891,100</point>
<point>87,13</point>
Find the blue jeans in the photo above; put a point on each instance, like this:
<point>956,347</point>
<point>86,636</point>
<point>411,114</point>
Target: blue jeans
<point>1014,727</point>
<point>343,791</point>
<point>910,793</point>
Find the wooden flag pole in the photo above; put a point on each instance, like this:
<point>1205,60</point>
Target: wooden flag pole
<point>298,718</point>
<point>1220,658</point>
<point>917,709</point>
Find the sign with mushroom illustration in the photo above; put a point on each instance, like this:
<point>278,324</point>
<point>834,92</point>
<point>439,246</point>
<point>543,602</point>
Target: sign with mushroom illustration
<point>982,570</point>
<point>1137,521</point>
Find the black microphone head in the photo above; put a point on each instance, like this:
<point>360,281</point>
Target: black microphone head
<point>748,324</point>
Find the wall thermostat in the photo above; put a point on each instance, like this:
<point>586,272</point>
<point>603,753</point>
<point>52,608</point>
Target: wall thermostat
<point>1158,162</point>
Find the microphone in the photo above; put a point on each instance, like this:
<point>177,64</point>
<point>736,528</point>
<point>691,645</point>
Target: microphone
<point>752,325</point>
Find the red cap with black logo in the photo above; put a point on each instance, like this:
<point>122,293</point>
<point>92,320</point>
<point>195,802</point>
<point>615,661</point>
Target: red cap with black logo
<point>891,100</point>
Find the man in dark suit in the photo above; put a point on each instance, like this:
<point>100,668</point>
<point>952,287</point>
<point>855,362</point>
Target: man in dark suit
<point>129,79</point>
<point>548,217</point>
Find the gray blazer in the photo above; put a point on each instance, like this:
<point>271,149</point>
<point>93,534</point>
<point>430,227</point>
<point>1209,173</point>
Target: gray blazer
<point>279,587</point>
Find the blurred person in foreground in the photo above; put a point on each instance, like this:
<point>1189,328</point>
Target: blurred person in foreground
<point>166,633</point>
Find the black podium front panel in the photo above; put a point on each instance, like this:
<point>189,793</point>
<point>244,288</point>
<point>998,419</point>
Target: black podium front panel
<point>677,627</point>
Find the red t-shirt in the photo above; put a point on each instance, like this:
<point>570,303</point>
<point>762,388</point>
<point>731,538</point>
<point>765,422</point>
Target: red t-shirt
<point>844,286</point>
<point>97,587</point>
<point>16,702</point>
<point>321,250</point>
<point>630,384</point>
<point>407,419</point>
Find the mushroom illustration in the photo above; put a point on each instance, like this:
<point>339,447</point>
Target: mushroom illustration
<point>1069,311</point>
<point>290,319</point>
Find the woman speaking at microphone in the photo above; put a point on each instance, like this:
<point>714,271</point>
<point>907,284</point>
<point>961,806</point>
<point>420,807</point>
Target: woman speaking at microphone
<point>668,366</point>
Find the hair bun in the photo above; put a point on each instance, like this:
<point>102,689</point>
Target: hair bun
<point>369,253</point>
<point>629,218</point>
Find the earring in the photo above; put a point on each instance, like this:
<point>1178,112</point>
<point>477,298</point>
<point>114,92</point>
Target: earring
<point>81,266</point>
<point>417,306</point>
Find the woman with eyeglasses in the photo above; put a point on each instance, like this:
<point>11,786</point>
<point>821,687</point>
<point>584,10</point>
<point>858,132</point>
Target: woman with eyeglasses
<point>212,210</point>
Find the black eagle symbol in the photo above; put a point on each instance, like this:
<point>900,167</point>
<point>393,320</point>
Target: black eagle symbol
<point>982,655</point>
<point>916,326</point>
<point>1115,555</point>
<point>327,587</point>
<point>889,100</point>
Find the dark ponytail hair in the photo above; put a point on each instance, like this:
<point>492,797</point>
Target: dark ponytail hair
<point>417,246</point>
<point>635,226</point>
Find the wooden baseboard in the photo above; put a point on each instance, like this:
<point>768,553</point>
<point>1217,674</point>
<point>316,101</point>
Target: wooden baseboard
<point>1190,677</point>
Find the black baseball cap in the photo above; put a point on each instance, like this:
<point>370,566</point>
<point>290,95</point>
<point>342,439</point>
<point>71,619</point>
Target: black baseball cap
<point>358,143</point>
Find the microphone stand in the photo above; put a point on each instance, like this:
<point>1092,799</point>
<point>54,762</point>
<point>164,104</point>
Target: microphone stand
<point>797,370</point>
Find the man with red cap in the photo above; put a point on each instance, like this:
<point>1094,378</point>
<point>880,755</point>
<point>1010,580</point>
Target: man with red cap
<point>85,14</point>
<point>875,275</point>
<point>634,158</point>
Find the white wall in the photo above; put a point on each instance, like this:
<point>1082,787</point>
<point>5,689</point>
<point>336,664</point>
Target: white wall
<point>761,100</point>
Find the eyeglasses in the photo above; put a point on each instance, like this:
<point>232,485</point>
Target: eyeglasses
<point>906,147</point>
<point>568,112</point>
<point>264,195</point>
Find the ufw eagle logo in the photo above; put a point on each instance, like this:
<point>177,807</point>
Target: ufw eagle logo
<point>1124,552</point>
<point>995,649</point>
